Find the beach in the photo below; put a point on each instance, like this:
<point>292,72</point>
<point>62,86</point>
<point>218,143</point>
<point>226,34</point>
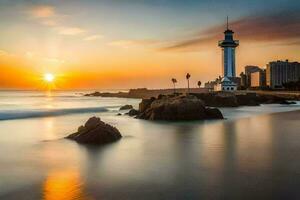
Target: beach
<point>252,154</point>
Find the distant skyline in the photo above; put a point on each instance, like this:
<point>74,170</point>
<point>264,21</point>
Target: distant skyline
<point>111,44</point>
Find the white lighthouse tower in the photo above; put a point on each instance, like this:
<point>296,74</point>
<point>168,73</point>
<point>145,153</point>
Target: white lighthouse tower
<point>228,46</point>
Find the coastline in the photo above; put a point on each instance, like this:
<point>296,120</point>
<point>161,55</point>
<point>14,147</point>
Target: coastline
<point>141,93</point>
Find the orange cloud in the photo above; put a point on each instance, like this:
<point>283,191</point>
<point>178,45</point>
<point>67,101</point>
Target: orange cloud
<point>43,11</point>
<point>47,16</point>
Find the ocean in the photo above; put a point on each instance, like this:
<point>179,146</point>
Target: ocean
<point>251,154</point>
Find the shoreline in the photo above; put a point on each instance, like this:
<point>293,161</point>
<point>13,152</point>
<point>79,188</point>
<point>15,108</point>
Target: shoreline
<point>215,99</point>
<point>141,93</point>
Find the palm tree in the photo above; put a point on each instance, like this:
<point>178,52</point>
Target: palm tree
<point>188,80</point>
<point>174,81</point>
<point>199,84</point>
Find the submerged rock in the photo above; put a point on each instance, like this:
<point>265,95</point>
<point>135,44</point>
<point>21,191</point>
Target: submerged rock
<point>177,108</point>
<point>126,107</point>
<point>95,131</point>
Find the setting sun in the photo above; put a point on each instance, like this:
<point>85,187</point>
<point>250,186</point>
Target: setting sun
<point>49,77</point>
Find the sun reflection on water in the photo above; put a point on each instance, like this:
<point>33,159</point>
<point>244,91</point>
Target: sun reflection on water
<point>64,185</point>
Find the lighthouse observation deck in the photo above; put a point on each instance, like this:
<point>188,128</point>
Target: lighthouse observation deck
<point>228,43</point>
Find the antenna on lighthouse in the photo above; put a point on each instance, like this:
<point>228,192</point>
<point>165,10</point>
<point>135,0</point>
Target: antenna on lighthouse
<point>227,23</point>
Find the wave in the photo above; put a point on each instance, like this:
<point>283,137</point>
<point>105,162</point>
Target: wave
<point>10,115</point>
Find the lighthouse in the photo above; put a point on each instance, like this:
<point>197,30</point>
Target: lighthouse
<point>228,81</point>
<point>228,46</point>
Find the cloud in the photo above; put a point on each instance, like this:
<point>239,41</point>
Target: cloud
<point>93,37</point>
<point>47,16</point>
<point>129,43</point>
<point>70,30</point>
<point>280,26</point>
<point>42,11</point>
<point>30,55</point>
<point>49,23</point>
<point>3,53</point>
<point>44,14</point>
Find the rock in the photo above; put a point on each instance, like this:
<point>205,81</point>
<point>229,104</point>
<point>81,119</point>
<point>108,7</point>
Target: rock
<point>248,99</point>
<point>119,114</point>
<point>94,94</point>
<point>145,104</point>
<point>178,108</point>
<point>223,99</point>
<point>126,107</point>
<point>81,129</point>
<point>161,96</point>
<point>95,131</point>
<point>214,113</point>
<point>285,102</point>
<point>92,123</point>
<point>133,112</point>
<point>218,99</point>
<point>252,103</point>
<point>272,99</point>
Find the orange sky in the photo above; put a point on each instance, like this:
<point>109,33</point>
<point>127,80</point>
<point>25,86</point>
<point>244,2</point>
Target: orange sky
<point>82,54</point>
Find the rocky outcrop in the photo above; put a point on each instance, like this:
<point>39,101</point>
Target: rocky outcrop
<point>214,113</point>
<point>126,107</point>
<point>133,112</point>
<point>285,102</point>
<point>218,99</point>
<point>223,99</point>
<point>213,99</point>
<point>272,99</point>
<point>94,94</point>
<point>95,131</point>
<point>177,108</point>
<point>248,99</point>
<point>145,104</point>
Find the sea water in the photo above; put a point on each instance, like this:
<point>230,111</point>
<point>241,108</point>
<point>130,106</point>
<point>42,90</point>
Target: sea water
<point>249,154</point>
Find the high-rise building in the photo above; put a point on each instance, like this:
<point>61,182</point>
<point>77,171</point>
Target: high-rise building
<point>258,79</point>
<point>228,46</point>
<point>249,69</point>
<point>279,72</point>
